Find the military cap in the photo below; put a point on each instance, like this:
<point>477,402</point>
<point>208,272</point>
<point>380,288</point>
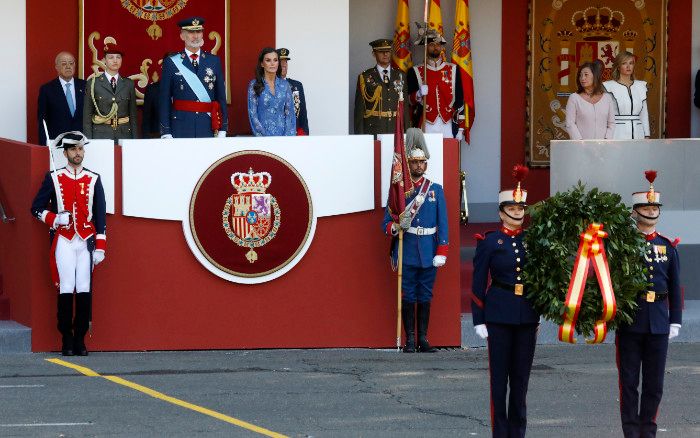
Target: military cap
<point>191,23</point>
<point>517,195</point>
<point>111,48</point>
<point>69,139</point>
<point>381,44</point>
<point>649,197</point>
<point>417,148</point>
<point>283,53</point>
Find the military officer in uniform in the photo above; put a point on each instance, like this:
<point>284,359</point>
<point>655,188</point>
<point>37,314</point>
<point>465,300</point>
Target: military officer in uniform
<point>502,315</point>
<point>109,108</point>
<point>425,243</point>
<point>644,342</point>
<point>377,93</point>
<point>441,90</point>
<point>297,93</point>
<point>192,95</point>
<point>71,201</point>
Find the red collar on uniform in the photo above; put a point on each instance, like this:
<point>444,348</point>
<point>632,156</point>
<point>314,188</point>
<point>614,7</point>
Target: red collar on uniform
<point>509,232</point>
<point>418,183</point>
<point>651,236</point>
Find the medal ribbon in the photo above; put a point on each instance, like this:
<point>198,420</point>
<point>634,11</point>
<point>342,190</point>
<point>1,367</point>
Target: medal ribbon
<point>590,249</point>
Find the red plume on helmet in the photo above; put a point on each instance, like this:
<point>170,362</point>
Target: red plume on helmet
<point>651,175</point>
<point>519,173</point>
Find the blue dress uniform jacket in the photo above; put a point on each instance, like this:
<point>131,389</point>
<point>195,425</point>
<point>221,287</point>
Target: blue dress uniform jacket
<point>663,272</point>
<point>187,124</point>
<point>502,256</point>
<point>299,107</point>
<point>419,250</point>
<point>53,107</point>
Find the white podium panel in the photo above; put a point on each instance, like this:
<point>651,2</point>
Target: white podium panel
<point>159,175</point>
<point>99,158</point>
<point>434,171</point>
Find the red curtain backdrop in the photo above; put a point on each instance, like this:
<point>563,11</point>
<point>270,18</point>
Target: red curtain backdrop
<point>252,28</point>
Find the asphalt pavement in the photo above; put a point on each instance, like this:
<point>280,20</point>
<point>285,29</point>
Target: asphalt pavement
<point>323,393</point>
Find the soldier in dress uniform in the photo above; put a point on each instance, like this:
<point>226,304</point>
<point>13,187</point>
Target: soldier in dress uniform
<point>109,107</point>
<point>644,342</point>
<point>192,95</point>
<point>425,243</point>
<point>71,201</point>
<point>441,90</point>
<point>377,93</point>
<point>502,315</point>
<point>297,93</point>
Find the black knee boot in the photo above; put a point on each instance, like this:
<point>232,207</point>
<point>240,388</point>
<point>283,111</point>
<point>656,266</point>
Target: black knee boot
<point>408,315</point>
<point>423,319</point>
<point>82,322</point>
<point>65,323</point>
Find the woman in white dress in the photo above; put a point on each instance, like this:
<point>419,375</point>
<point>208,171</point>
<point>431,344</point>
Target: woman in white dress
<point>630,96</point>
<point>590,113</point>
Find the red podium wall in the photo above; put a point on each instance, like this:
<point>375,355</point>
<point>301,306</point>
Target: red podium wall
<point>152,294</point>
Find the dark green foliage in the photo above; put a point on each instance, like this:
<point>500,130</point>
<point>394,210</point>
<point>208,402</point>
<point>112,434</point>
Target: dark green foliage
<point>552,243</point>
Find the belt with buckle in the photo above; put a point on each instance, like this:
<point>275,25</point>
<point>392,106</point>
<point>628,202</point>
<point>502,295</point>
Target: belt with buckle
<point>420,231</point>
<point>517,288</point>
<point>113,122</point>
<point>651,296</point>
<point>381,114</point>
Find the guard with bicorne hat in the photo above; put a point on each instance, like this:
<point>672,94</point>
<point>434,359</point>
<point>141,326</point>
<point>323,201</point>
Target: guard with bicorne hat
<point>644,343</point>
<point>71,201</point>
<point>502,314</point>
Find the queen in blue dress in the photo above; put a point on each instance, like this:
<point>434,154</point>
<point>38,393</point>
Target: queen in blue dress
<point>270,99</point>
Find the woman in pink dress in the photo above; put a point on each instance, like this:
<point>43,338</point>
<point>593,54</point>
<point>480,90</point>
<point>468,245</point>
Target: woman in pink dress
<point>590,113</point>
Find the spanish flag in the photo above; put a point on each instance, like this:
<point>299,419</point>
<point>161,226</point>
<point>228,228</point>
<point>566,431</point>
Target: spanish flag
<point>462,56</point>
<point>435,16</point>
<point>401,58</point>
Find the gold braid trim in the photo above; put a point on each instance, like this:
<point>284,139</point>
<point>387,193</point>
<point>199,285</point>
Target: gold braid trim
<point>112,112</point>
<point>375,99</point>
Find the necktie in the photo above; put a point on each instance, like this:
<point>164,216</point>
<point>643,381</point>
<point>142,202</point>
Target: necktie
<point>114,83</point>
<point>69,98</point>
<point>386,76</point>
<point>194,60</point>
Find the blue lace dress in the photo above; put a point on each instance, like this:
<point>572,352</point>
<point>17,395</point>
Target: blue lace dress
<point>272,114</point>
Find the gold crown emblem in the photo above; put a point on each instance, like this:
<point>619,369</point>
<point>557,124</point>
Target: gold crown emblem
<point>195,22</point>
<point>597,23</point>
<point>565,34</point>
<point>251,182</point>
<point>629,35</point>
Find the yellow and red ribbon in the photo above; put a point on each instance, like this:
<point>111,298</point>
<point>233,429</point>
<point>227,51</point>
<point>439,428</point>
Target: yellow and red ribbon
<point>590,248</point>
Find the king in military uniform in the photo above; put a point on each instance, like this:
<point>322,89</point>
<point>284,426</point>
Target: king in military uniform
<point>377,93</point>
<point>297,93</point>
<point>425,243</point>
<point>192,95</point>
<point>71,201</point>
<point>644,343</point>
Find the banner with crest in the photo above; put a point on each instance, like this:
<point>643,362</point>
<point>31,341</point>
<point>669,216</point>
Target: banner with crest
<point>567,33</point>
<point>146,30</point>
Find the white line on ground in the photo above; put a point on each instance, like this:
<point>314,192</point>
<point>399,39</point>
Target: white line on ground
<point>45,424</point>
<point>21,386</point>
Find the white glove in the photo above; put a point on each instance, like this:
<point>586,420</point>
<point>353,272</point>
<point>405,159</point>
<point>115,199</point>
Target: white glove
<point>97,257</point>
<point>221,134</point>
<point>62,218</point>
<point>166,136</point>
<point>460,134</point>
<point>673,330</point>
<point>481,331</point>
<point>439,261</point>
<point>394,229</point>
<point>423,91</point>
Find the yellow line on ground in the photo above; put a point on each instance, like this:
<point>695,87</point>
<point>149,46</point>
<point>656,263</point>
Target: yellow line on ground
<point>169,399</point>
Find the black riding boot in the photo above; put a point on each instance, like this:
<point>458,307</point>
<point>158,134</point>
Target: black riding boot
<point>408,315</point>
<point>82,322</point>
<point>423,319</point>
<point>65,323</point>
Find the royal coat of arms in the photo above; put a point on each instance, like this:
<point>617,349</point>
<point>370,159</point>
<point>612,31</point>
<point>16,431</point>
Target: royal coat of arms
<point>251,217</point>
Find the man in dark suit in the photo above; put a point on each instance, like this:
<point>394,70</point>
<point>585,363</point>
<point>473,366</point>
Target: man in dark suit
<point>61,100</point>
<point>377,93</point>
<point>192,95</point>
<point>297,93</point>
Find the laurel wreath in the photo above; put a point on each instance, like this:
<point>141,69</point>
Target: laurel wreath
<point>251,242</point>
<point>552,241</point>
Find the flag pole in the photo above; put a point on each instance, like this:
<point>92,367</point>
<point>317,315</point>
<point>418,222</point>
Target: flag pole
<point>425,59</point>
<point>398,294</point>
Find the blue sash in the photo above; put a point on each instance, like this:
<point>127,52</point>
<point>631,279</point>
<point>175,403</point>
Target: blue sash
<point>191,79</point>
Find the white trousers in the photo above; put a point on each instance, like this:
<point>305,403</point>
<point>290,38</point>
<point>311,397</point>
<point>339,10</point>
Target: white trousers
<point>439,127</point>
<point>73,263</point>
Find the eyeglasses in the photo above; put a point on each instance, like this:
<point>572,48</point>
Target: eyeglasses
<point>67,64</point>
